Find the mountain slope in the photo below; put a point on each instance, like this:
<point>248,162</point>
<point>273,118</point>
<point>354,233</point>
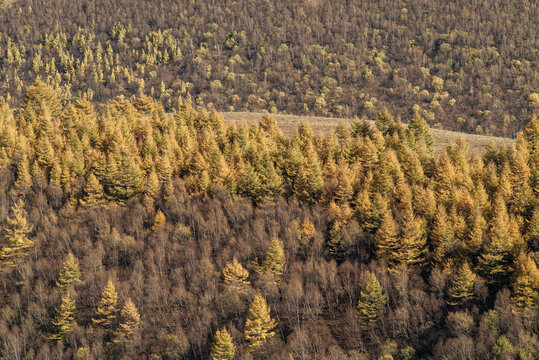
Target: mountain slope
<point>324,125</point>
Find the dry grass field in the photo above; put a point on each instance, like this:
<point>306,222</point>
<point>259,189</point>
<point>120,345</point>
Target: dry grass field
<point>324,125</point>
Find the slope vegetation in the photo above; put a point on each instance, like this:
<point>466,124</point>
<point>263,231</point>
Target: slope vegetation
<point>326,125</point>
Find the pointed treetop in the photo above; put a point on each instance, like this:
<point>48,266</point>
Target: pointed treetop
<point>65,318</point>
<point>259,324</point>
<point>16,236</point>
<point>223,347</point>
<point>274,260</point>
<point>462,289</point>
<point>70,274</point>
<point>130,322</point>
<point>370,303</point>
<point>107,307</point>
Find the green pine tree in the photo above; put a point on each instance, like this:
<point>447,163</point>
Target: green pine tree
<point>370,303</point>
<point>274,260</point>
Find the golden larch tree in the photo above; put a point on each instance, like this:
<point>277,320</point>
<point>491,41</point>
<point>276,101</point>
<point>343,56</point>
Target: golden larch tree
<point>525,282</point>
<point>129,323</point>
<point>223,347</point>
<point>235,277</point>
<point>69,274</point>
<point>65,317</point>
<point>16,241</point>
<point>107,307</point>
<point>259,324</point>
<point>461,290</point>
<point>385,238</point>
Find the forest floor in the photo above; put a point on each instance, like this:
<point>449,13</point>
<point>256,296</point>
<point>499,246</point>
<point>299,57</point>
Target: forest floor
<point>324,125</point>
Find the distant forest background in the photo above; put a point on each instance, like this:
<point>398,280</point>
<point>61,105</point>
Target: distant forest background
<point>464,65</point>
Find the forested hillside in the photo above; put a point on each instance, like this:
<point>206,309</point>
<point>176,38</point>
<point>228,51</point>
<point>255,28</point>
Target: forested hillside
<point>127,233</point>
<point>463,65</point>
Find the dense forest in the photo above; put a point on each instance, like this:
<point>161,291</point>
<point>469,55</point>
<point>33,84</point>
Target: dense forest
<point>463,65</point>
<point>130,233</point>
<point>135,223</point>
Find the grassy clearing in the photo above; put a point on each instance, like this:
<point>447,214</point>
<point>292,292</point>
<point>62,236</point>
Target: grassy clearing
<point>325,125</point>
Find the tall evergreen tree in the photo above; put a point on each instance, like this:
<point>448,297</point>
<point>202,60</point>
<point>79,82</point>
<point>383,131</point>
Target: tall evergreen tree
<point>274,260</point>
<point>69,275</point>
<point>129,324</point>
<point>259,324</point>
<point>65,318</point>
<point>495,260</point>
<point>94,191</point>
<point>370,303</point>
<point>461,290</point>
<point>23,182</point>
<point>525,282</point>
<point>17,244</point>
<point>39,94</point>
<point>441,236</point>
<point>334,239</point>
<point>444,180</point>
<point>387,246</point>
<point>223,347</point>
<point>250,184</point>
<point>309,183</point>
<point>521,193</point>
<point>385,122</point>
<point>107,307</point>
<point>420,131</point>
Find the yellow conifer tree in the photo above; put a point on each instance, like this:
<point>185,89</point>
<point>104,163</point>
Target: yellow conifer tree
<point>461,290</point>
<point>129,324</point>
<point>17,244</point>
<point>274,260</point>
<point>259,324</point>
<point>69,275</point>
<point>65,318</point>
<point>525,282</point>
<point>386,240</point>
<point>223,347</point>
<point>235,277</point>
<point>107,307</point>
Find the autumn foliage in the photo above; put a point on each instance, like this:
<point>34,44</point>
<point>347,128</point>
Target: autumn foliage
<point>128,232</point>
